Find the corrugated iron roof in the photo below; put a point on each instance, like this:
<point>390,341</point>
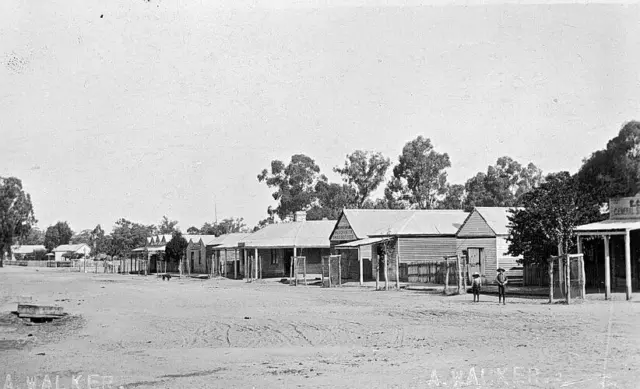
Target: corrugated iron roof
<point>377,222</point>
<point>27,248</point>
<point>610,225</point>
<point>497,218</point>
<point>361,242</point>
<point>69,247</point>
<point>229,241</point>
<point>313,233</point>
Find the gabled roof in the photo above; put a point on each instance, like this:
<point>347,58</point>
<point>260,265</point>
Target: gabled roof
<point>27,248</point>
<point>381,222</point>
<point>309,234</point>
<point>497,218</point>
<point>70,247</point>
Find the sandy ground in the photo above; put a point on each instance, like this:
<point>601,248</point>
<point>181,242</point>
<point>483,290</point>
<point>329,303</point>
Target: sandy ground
<point>141,332</point>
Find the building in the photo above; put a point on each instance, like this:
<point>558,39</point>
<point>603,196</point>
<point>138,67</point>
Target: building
<point>199,252</point>
<point>227,257</point>
<point>611,259</point>
<point>65,251</point>
<point>482,241</point>
<point>408,236</point>
<point>28,252</point>
<point>276,244</point>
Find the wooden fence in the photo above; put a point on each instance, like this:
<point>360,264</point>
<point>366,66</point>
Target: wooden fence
<point>430,272</point>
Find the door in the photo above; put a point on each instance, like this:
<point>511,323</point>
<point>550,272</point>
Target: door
<point>286,262</point>
<point>476,263</point>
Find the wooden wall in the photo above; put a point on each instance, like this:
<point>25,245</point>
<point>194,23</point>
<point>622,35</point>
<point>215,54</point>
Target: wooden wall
<point>415,249</point>
<point>490,254</point>
<point>475,226</point>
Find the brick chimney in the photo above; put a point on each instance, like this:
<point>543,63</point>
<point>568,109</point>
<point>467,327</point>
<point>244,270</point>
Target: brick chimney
<point>300,216</point>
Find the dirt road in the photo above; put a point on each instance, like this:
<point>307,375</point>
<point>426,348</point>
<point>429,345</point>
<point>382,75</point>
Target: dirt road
<point>142,332</point>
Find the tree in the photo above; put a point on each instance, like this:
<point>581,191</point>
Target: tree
<point>263,223</point>
<point>419,179</point>
<point>331,200</point>
<point>503,185</point>
<point>167,226</point>
<point>294,184</point>
<point>97,240</point>
<point>454,197</point>
<point>226,226</point>
<point>365,171</point>
<point>176,247</point>
<point>615,170</point>
<point>127,236</point>
<point>193,231</point>
<point>34,237</point>
<point>83,236</point>
<point>550,214</point>
<point>57,234</point>
<point>16,214</point>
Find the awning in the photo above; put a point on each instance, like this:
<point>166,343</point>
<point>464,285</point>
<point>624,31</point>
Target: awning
<point>608,227</point>
<point>149,249</point>
<point>362,242</point>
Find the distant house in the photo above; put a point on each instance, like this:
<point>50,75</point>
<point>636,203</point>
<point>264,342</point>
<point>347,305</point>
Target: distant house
<point>25,252</point>
<point>410,236</point>
<point>65,251</point>
<point>482,240</point>
<point>199,252</point>
<point>276,244</point>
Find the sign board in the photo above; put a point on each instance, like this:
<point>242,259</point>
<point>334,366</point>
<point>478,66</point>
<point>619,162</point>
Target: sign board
<point>343,231</point>
<point>624,208</point>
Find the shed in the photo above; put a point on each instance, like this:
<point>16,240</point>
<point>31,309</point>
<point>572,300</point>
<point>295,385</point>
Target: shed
<point>482,241</point>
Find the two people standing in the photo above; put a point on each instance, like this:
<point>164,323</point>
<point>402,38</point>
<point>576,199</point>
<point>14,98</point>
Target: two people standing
<point>501,280</point>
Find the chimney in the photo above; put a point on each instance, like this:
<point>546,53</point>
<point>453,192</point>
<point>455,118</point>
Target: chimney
<point>300,216</point>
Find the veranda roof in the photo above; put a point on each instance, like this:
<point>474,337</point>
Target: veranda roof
<point>228,241</point>
<point>306,234</point>
<point>608,227</point>
<point>361,242</point>
<point>149,249</point>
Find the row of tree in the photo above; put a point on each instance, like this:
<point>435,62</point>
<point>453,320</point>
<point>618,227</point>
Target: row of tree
<point>418,181</point>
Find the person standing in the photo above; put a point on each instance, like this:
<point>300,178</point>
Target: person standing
<point>502,280</point>
<point>475,287</point>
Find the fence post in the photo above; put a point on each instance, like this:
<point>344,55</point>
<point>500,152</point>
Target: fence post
<point>459,273</point>
<point>304,269</point>
<point>386,272</point>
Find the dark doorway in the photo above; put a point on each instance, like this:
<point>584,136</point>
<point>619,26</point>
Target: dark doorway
<point>288,255</point>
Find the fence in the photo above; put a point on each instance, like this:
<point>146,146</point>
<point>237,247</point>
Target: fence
<point>39,263</point>
<point>431,272</point>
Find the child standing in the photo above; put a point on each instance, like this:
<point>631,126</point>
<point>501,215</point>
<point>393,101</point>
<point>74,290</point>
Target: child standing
<point>502,280</point>
<point>475,287</point>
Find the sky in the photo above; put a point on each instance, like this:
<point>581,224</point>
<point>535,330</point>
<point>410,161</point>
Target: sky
<point>138,109</point>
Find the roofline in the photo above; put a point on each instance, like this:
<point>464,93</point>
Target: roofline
<point>284,247</point>
<point>475,209</point>
<point>416,236</point>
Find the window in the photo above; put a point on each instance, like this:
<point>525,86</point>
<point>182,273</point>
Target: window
<point>199,259</point>
<point>274,256</point>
